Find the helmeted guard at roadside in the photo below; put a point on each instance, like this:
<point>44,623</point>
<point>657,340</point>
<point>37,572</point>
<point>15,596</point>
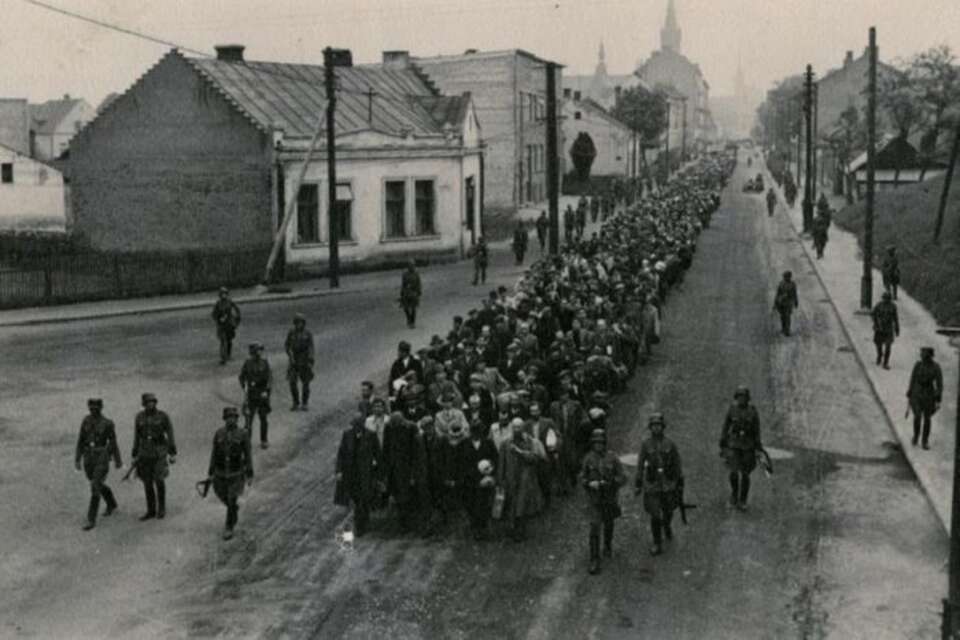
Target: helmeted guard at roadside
<point>256,379</point>
<point>231,466</point>
<point>602,476</point>
<point>785,301</point>
<point>299,348</point>
<point>226,315</point>
<point>660,479</point>
<point>153,449</point>
<point>924,393</point>
<point>739,442</point>
<point>771,201</point>
<point>410,292</point>
<point>890,270</point>
<point>886,326</point>
<point>96,445</point>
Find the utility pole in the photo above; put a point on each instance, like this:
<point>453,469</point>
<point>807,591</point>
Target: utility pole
<point>951,605</point>
<point>667,153</point>
<point>799,139</point>
<point>333,58</point>
<point>816,146</point>
<point>866,281</point>
<point>808,183</point>
<point>553,170</point>
<point>946,183</point>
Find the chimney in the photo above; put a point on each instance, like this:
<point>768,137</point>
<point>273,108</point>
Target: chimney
<point>396,59</point>
<point>469,52</point>
<point>230,52</point>
<point>576,96</point>
<point>567,92</point>
<point>66,96</point>
<point>848,59</point>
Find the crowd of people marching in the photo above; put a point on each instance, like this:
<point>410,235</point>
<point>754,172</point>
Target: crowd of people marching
<point>495,418</point>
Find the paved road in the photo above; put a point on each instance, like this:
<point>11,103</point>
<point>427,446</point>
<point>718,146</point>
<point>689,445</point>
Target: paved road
<point>840,543</point>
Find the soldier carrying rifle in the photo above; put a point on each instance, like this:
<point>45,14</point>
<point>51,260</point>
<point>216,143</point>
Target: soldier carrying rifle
<point>602,476</point>
<point>660,479</point>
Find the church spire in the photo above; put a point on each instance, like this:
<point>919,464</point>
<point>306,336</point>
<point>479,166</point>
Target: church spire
<point>671,35</point>
<point>602,56</point>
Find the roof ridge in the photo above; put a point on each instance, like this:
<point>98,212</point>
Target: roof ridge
<point>222,91</point>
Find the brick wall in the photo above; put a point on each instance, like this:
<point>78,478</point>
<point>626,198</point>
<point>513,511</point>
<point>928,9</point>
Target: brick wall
<point>171,166</point>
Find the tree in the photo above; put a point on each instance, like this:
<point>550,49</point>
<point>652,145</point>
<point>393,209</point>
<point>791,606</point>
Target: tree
<point>582,153</point>
<point>849,136</point>
<point>645,112</point>
<point>899,95</point>
<point>936,77</point>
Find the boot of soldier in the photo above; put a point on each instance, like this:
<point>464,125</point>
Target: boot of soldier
<point>295,394</point>
<point>607,539</point>
<point>655,528</point>
<point>110,500</point>
<point>305,399</point>
<point>667,526</point>
<point>161,499</point>
<point>264,427</point>
<point>594,554</point>
<point>879,354</point>
<point>744,492</point>
<point>92,512</point>
<point>151,497</point>
<point>734,489</point>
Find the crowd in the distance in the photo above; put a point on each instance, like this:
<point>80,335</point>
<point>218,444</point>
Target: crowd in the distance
<point>495,418</point>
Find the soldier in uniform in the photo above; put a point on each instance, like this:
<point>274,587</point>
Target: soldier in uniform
<point>153,448</point>
<point>256,381</point>
<point>231,466</point>
<point>602,476</point>
<point>785,301</point>
<point>480,260</point>
<point>660,479</point>
<point>410,291</point>
<point>520,241</point>
<point>924,394</point>
<point>771,201</point>
<point>886,325</point>
<point>739,442</point>
<point>891,271</point>
<point>299,347</point>
<point>820,226</point>
<point>96,445</point>
<point>226,315</point>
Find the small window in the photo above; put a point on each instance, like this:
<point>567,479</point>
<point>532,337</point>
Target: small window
<point>344,211</point>
<point>396,204</point>
<point>576,116</point>
<point>6,173</point>
<point>426,207</point>
<point>308,213</point>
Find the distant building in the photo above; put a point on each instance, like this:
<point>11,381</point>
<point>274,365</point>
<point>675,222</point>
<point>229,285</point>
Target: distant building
<point>28,189</point>
<point>734,114</point>
<point>509,92</point>
<point>845,87</point>
<point>54,123</point>
<point>896,163</point>
<point>204,154</point>
<point>15,124</point>
<point>613,140</point>
<point>601,87</point>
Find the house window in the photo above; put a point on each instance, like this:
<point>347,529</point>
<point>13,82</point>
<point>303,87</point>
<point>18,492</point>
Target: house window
<point>576,115</point>
<point>396,205</point>
<point>6,173</point>
<point>343,210</point>
<point>308,213</point>
<point>426,207</point>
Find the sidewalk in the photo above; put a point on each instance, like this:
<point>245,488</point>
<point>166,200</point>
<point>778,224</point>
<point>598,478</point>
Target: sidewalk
<point>839,272</point>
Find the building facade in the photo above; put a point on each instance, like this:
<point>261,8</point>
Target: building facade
<point>220,142</point>
<point>845,87</point>
<point>29,191</point>
<point>509,93</point>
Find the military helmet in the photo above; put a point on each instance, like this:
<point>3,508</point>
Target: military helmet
<point>787,275</point>
<point>224,290</point>
<point>598,435</point>
<point>742,390</point>
<point>230,411</point>
<point>887,295</point>
<point>656,418</point>
<point>147,397</point>
<point>299,317</point>
<point>255,346</point>
<point>95,403</point>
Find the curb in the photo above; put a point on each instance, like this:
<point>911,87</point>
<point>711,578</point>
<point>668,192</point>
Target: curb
<point>891,420</point>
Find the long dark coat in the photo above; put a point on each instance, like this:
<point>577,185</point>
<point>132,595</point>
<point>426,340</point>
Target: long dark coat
<point>402,460</point>
<point>517,474</point>
<point>359,462</point>
<point>926,386</point>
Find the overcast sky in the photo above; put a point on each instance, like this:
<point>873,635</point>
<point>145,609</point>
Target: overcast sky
<point>46,55</point>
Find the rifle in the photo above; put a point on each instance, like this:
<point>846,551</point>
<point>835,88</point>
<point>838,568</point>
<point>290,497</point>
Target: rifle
<point>684,506</point>
<point>906,413</point>
<point>130,471</point>
<point>203,487</point>
<point>765,462</point>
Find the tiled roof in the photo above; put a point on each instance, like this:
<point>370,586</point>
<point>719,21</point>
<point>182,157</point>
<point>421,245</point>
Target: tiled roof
<point>292,96</point>
<point>48,115</point>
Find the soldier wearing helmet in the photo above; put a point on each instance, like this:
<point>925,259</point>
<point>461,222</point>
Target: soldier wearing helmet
<point>96,445</point>
<point>602,476</point>
<point>153,448</point>
<point>226,315</point>
<point>739,443</point>
<point>785,301</point>
<point>659,478</point>
<point>256,380</point>
<point>886,326</point>
<point>231,466</point>
<point>299,348</point>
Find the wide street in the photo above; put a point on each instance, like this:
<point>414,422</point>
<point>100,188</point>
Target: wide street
<point>840,542</point>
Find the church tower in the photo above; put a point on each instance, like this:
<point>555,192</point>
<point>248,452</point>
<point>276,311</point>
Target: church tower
<point>670,35</point>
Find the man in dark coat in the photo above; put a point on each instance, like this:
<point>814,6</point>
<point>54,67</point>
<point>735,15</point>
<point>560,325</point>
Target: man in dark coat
<point>821,224</point>
<point>299,348</point>
<point>403,467</point>
<point>231,466</point>
<point>404,364</point>
<point>924,393</point>
<point>410,291</point>
<point>568,414</point>
<point>602,476</point>
<point>569,222</point>
<point>659,478</point>
<point>96,445</point>
<point>771,201</point>
<point>359,465</point>
<point>153,448</point>
<point>739,443</point>
<point>517,474</point>
<point>520,241</point>
<point>785,301</point>
<point>543,227</point>
<point>479,458</point>
<point>226,315</point>
<point>886,325</point>
<point>431,490</point>
<point>256,380</point>
<point>890,270</point>
<point>481,258</point>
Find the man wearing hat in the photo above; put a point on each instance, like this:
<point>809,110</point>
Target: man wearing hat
<point>226,315</point>
<point>569,417</point>
<point>602,476</point>
<point>404,364</point>
<point>890,269</point>
<point>410,291</point>
<point>924,393</point>
<point>739,442</point>
<point>659,478</point>
<point>299,348</point>
<point>231,466</point>
<point>153,447</point>
<point>96,445</point>
<point>256,380</point>
<point>359,464</point>
<point>886,325</point>
<point>785,301</point>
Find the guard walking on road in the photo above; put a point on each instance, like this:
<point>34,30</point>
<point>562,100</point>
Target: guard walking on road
<point>153,448</point>
<point>924,393</point>
<point>886,325</point>
<point>520,240</point>
<point>231,466</point>
<point>481,258</point>
<point>890,269</point>
<point>602,476</point>
<point>739,442</point>
<point>96,445</point>
<point>771,201</point>
<point>299,348</point>
<point>226,315</point>
<point>256,380</point>
<point>660,479</point>
<point>785,301</point>
<point>410,291</point>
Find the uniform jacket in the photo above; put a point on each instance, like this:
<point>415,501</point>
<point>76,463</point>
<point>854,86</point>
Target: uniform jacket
<point>96,445</point>
<point>741,428</point>
<point>226,313</point>
<point>230,456</point>
<point>299,347</point>
<point>886,321</point>
<point>359,461</point>
<point>658,465</point>
<point>410,288</point>
<point>255,375</point>
<point>926,385</point>
<point>153,436</point>
<point>607,469</point>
